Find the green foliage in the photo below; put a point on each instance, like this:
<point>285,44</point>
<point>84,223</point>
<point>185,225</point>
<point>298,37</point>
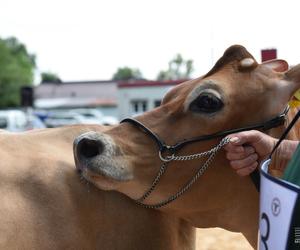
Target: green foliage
<point>16,70</point>
<point>178,69</point>
<point>50,77</point>
<point>126,73</point>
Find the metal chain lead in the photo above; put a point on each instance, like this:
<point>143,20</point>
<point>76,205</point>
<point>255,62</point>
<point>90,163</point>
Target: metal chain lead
<point>154,183</point>
<point>194,156</point>
<point>200,171</point>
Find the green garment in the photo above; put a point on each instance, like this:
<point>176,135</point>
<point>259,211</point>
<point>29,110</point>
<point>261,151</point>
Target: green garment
<point>292,171</point>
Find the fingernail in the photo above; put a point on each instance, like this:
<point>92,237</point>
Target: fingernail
<point>234,139</point>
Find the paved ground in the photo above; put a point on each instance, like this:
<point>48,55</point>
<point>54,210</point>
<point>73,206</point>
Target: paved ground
<point>219,239</point>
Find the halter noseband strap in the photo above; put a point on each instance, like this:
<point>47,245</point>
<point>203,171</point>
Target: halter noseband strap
<point>161,145</point>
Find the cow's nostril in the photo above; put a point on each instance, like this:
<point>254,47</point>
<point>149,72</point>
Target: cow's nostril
<point>90,148</point>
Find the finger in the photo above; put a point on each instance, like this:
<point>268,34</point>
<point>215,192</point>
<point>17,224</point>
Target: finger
<point>233,155</point>
<point>230,147</point>
<point>248,161</point>
<point>247,170</point>
<point>245,137</point>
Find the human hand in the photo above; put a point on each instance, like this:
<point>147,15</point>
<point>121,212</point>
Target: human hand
<point>246,149</point>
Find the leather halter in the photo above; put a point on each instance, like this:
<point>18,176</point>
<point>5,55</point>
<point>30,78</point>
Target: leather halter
<point>163,147</point>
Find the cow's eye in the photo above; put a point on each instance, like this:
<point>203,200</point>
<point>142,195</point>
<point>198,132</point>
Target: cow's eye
<point>206,103</point>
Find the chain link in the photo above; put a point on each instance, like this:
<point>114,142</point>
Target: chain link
<point>193,156</point>
<point>212,152</point>
<point>154,183</point>
<point>203,154</point>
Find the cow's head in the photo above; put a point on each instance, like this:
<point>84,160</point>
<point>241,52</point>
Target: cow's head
<point>236,92</point>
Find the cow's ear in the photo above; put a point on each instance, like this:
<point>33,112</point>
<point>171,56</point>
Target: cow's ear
<point>277,65</point>
<point>293,74</point>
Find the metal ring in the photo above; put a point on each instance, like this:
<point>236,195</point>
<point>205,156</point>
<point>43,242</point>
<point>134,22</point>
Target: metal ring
<point>167,158</point>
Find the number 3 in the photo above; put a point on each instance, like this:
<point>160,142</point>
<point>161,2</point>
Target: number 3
<point>265,237</point>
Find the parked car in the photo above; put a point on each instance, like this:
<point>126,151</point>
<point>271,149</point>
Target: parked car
<point>34,122</point>
<point>97,115</point>
<point>62,118</point>
<point>17,121</point>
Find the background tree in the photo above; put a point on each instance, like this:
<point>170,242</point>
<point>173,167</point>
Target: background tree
<point>16,70</point>
<point>178,69</point>
<point>126,73</point>
<point>50,77</point>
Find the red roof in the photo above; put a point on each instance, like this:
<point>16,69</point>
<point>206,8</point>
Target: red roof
<point>268,54</point>
<point>145,83</point>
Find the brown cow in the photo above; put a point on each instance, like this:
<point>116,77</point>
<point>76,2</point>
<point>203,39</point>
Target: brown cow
<point>44,205</point>
<point>236,93</point>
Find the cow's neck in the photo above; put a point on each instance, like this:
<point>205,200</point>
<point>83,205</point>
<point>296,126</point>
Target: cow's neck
<point>221,198</point>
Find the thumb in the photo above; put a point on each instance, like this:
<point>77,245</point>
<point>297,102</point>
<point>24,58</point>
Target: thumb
<point>246,137</point>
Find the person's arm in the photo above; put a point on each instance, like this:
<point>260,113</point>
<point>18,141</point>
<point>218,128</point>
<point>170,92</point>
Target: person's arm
<point>284,153</point>
<point>247,149</point>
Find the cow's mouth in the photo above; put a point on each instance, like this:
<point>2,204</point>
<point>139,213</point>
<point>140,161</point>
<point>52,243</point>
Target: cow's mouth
<point>96,159</point>
<point>100,181</point>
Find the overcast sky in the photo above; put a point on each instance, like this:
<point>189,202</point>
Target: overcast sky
<point>90,39</point>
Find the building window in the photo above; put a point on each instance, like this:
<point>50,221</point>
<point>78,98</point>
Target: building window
<point>157,103</point>
<point>139,106</point>
<point>135,107</point>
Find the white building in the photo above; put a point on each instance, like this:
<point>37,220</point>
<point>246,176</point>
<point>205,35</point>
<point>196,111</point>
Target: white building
<point>101,95</point>
<point>118,99</point>
<point>139,96</point>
